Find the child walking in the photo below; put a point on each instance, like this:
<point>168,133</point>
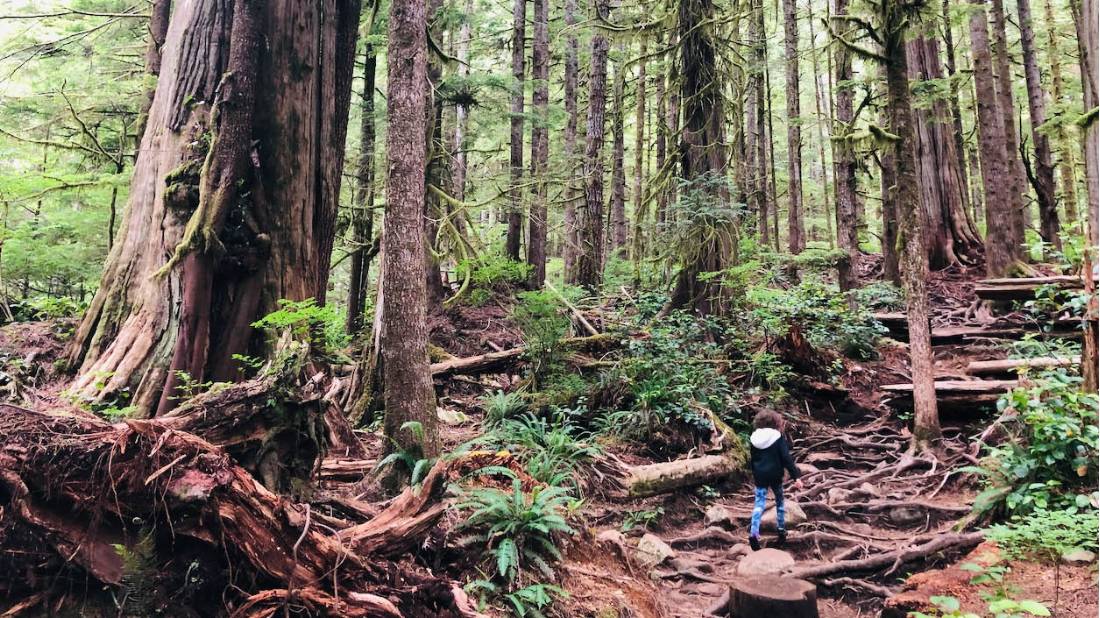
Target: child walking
<point>770,457</point>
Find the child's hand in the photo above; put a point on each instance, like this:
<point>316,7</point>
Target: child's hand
<point>798,484</point>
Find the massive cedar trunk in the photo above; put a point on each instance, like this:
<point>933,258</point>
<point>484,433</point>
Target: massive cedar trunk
<point>515,212</point>
<point>847,232</point>
<point>796,233</point>
<point>703,161</point>
<point>266,229</point>
<point>1043,181</point>
<point>618,146</point>
<point>589,262</point>
<point>362,215</point>
<point>949,235</point>
<point>1088,39</point>
<point>409,395</point>
<point>1017,206</point>
<point>572,194</point>
<point>540,144</point>
<point>1000,255</point>
<point>910,215</point>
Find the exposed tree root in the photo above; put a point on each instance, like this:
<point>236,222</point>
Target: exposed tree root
<point>892,559</point>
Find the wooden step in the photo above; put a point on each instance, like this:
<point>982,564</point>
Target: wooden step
<point>1022,288</point>
<point>954,393</point>
<point>1014,365</point>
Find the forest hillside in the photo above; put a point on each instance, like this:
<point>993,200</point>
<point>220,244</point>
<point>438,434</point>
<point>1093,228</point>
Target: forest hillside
<point>646,308</point>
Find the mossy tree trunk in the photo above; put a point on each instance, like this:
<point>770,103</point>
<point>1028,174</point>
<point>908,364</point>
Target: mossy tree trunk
<point>256,184</point>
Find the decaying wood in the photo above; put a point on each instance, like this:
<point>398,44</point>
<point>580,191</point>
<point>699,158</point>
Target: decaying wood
<point>496,360</point>
<point>955,392</point>
<point>79,486</point>
<point>1015,365</point>
<point>1023,288</point>
<point>769,595</point>
<point>658,478</point>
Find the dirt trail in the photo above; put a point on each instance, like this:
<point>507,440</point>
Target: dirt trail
<point>863,496</point>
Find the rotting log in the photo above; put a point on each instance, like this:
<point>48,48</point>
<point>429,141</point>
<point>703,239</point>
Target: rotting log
<point>658,478</point>
<point>1016,365</point>
<point>73,487</point>
<point>769,595</point>
<point>496,360</point>
<point>1023,288</point>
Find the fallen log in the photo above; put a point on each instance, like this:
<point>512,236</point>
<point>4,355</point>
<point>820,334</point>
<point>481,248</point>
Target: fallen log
<point>495,360</point>
<point>769,595</point>
<point>1023,288</point>
<point>75,488</point>
<point>658,478</point>
<point>954,393</point>
<point>1062,329</point>
<point>1015,365</point>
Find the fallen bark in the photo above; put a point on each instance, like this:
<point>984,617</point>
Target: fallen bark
<point>495,360</point>
<point>658,478</point>
<point>1015,365</point>
<point>81,486</point>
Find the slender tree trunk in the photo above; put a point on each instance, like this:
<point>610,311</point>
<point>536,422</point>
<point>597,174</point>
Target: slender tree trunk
<point>847,230</point>
<point>1049,226</point>
<point>1067,165</point>
<point>948,234</point>
<point>796,232</point>
<point>820,125</point>
<point>1018,216</point>
<point>462,112</point>
<point>410,423</point>
<point>362,217</point>
<point>1000,254</point>
<point>772,194</point>
<point>434,210</point>
<point>759,202</point>
<point>515,214</point>
<point>572,193</point>
<point>590,216</point>
<point>540,144</point>
<point>1087,20</point>
<point>953,98</point>
<point>133,328</point>
<point>660,126</point>
<point>637,243</point>
<point>926,423</point>
<point>618,171</point>
<point>891,264</point>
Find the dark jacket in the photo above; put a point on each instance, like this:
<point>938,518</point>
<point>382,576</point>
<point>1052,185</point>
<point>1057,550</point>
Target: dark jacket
<point>770,456</point>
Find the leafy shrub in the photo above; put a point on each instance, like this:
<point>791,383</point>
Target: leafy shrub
<point>552,448</point>
<point>527,601</point>
<point>492,271</point>
<point>1054,449</point>
<point>824,315</point>
<point>516,529</point>
<point>46,308</point>
<point>322,326</point>
<point>1048,534</point>
<point>500,406</point>
<point>540,317</point>
<point>880,296</point>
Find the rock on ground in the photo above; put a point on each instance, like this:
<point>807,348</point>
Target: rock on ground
<point>652,551</point>
<point>767,561</point>
<point>793,516</point>
<point>718,515</point>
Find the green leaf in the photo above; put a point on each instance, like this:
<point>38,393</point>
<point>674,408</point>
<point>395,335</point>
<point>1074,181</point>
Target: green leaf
<point>1034,608</point>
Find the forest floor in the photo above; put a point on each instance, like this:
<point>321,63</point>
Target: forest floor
<point>865,495</point>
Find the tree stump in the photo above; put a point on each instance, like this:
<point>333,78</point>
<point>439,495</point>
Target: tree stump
<point>770,595</point>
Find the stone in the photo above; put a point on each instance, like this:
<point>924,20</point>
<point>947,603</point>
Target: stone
<point>837,495</point>
<point>449,416</point>
<point>905,516</point>
<point>767,561</point>
<point>1079,556</point>
<point>718,515</point>
<point>652,551</point>
<point>793,516</point>
<point>611,536</point>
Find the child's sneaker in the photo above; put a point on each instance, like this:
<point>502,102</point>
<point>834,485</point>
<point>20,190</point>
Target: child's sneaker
<point>754,543</point>
<point>781,538</point>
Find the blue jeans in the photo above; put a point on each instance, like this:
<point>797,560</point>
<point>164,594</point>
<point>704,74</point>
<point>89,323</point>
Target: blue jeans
<point>760,501</point>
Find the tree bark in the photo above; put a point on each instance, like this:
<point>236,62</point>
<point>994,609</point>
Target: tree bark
<point>1067,164</point>
<point>1086,18</point>
<point>572,193</point>
<point>409,395</point>
<point>821,124</point>
<point>637,242</point>
<point>796,233</point>
<point>847,230</point>
<point>362,216</point>
<point>618,167</point>
<point>759,196</point>
<point>1017,215</point>
<point>540,144</point>
<point>949,235</point>
<point>926,423</point>
<point>1049,227</point>
<point>590,217</point>
<point>240,257</point>
<point>1000,256</point>
<point>956,112</point>
<point>462,112</point>
<point>515,213</point>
